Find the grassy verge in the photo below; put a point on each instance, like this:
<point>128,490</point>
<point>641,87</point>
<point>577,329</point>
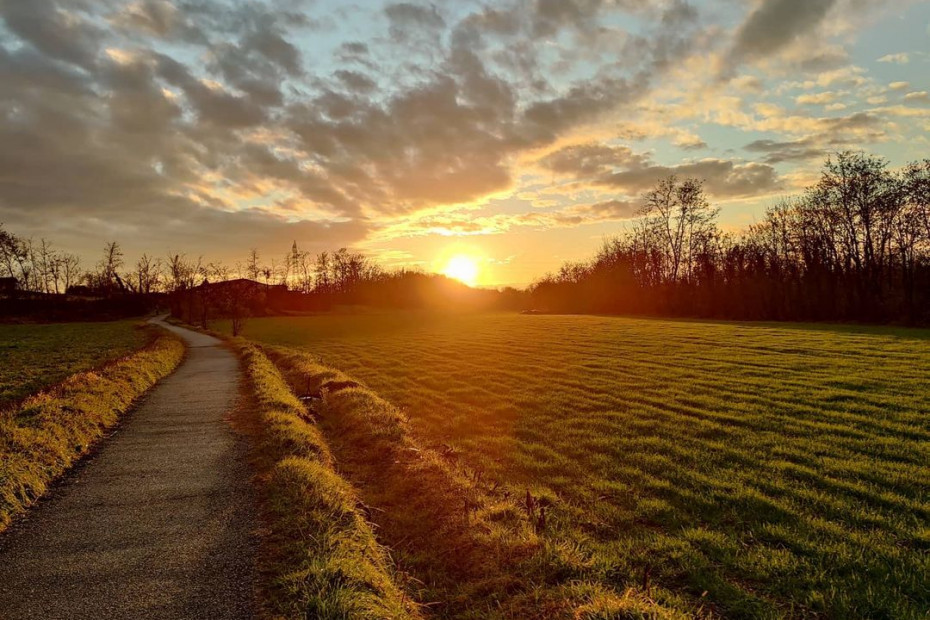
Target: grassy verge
<point>323,560</point>
<point>46,433</point>
<point>472,548</point>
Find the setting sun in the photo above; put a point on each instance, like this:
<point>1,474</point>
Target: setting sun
<point>463,268</point>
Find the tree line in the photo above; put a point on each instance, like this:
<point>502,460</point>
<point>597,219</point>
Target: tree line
<point>853,247</point>
<point>39,268</point>
<point>198,290</point>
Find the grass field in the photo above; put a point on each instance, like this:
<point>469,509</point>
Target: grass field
<point>33,357</point>
<point>715,468</point>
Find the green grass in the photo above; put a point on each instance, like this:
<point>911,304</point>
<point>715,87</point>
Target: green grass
<point>745,470</point>
<point>321,558</point>
<point>33,357</point>
<point>49,431</point>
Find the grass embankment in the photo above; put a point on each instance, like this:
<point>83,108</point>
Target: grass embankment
<point>322,558</point>
<point>34,357</point>
<point>781,469</point>
<point>46,433</point>
<point>468,547</point>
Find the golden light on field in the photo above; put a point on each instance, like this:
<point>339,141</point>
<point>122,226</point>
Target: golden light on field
<point>463,268</point>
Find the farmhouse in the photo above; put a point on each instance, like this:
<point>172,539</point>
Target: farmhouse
<point>244,284</point>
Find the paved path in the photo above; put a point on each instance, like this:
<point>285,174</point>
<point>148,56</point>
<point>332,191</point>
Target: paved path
<point>158,524</point>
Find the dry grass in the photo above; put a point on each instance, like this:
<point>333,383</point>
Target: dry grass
<point>322,559</point>
<point>747,470</point>
<point>49,431</point>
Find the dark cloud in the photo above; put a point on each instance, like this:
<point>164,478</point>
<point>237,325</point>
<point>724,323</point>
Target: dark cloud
<point>631,173</point>
<point>777,152</point>
<point>591,160</point>
<point>213,103</point>
<point>274,47</point>
<point>775,24</point>
<point>355,81</point>
<point>722,178</point>
<point>833,134</point>
<point>406,15</point>
<point>67,37</point>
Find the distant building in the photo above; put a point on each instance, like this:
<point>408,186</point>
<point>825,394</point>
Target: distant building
<point>245,285</point>
<point>8,285</point>
<point>80,290</point>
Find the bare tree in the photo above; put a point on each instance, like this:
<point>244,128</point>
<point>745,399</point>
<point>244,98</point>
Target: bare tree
<point>678,216</point>
<point>70,270</point>
<point>147,275</point>
<point>252,266</point>
<point>14,257</point>
<point>916,180</point>
<point>107,279</point>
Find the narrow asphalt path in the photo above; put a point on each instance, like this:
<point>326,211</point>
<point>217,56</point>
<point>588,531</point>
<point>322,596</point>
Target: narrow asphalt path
<point>159,523</point>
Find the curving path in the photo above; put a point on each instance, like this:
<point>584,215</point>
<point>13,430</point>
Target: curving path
<point>160,523</point>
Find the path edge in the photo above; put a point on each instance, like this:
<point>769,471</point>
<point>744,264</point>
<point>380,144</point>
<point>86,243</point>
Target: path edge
<point>51,431</point>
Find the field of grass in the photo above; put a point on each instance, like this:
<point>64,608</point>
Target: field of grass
<point>32,357</point>
<point>745,470</point>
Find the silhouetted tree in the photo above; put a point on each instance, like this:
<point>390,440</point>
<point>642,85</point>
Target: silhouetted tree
<point>855,246</point>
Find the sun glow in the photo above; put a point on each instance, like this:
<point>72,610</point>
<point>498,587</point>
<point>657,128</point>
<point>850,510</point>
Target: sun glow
<point>463,268</point>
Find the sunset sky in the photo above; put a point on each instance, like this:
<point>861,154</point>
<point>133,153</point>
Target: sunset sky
<point>518,132</point>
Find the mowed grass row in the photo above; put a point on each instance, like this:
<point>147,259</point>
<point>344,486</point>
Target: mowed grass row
<point>462,546</point>
<point>749,470</point>
<point>33,357</point>
<point>321,558</point>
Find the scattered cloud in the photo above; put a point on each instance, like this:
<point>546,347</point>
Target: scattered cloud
<point>901,58</point>
<point>632,174</point>
<point>169,122</point>
<point>823,98</point>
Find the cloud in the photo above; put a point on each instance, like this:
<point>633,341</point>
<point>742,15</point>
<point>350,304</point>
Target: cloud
<point>775,24</point>
<point>53,31</point>
<point>164,120</point>
<point>591,160</point>
<point>776,152</point>
<point>823,98</point>
<point>632,174</point>
<point>405,15</point>
<point>158,18</point>
<point>898,59</point>
<point>722,178</point>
